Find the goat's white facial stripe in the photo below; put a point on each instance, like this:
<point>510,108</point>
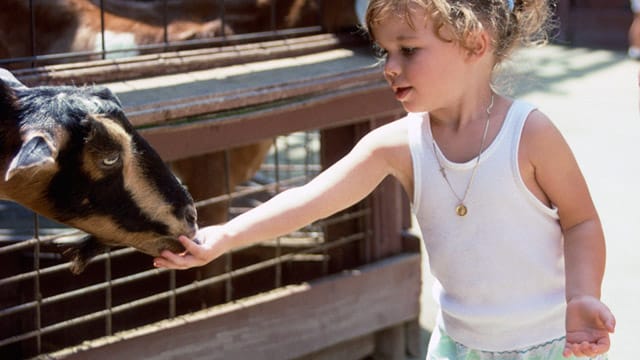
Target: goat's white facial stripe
<point>149,200</point>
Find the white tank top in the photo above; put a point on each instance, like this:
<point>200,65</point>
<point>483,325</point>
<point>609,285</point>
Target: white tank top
<point>500,269</point>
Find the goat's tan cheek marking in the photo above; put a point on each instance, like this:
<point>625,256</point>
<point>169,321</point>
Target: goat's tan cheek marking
<point>104,228</point>
<point>89,166</point>
<point>100,226</point>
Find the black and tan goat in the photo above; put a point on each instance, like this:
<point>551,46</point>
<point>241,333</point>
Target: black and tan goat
<point>70,154</point>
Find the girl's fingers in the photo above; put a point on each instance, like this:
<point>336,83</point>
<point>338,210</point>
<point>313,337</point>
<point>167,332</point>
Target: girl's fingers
<point>585,349</point>
<point>572,349</point>
<point>170,260</point>
<point>194,255</point>
<point>609,321</point>
<point>160,263</point>
<point>189,245</point>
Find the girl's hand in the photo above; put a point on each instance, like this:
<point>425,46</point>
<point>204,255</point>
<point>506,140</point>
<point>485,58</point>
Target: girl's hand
<point>195,254</point>
<point>588,324</point>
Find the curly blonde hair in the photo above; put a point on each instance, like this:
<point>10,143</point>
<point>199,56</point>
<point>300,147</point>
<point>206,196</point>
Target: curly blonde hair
<point>528,23</point>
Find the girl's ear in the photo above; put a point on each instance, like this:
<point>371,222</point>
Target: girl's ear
<point>479,45</point>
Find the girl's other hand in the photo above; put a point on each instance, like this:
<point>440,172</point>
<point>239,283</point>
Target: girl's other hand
<point>589,323</point>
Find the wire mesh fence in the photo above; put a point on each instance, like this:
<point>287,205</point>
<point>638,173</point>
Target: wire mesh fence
<point>45,308</point>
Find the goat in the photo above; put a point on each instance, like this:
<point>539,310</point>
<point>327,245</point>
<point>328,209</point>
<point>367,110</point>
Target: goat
<point>70,154</point>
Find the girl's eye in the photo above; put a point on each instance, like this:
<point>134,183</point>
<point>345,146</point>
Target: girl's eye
<point>111,160</point>
<point>408,51</point>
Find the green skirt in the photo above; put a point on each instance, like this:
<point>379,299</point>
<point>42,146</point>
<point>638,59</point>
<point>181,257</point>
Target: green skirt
<point>443,347</point>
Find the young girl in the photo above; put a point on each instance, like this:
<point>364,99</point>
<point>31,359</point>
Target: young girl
<point>514,241</point>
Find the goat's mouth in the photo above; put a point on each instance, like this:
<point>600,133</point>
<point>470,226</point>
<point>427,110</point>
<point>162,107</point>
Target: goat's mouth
<point>167,243</point>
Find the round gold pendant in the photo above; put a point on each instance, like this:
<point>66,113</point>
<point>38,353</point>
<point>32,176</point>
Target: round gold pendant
<point>461,210</point>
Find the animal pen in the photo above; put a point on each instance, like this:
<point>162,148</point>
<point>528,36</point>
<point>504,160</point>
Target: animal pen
<point>346,287</point>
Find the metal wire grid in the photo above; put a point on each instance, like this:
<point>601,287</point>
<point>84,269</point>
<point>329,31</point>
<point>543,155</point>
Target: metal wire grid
<point>292,161</point>
<point>273,32</point>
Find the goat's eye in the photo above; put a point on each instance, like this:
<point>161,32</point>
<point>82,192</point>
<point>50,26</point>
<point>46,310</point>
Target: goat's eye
<point>111,160</point>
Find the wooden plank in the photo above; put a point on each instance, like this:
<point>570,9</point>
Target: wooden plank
<point>607,28</point>
<point>283,324</point>
<point>358,348</point>
<point>600,4</point>
<point>101,71</point>
<point>391,343</point>
<point>563,10</point>
<point>157,112</point>
<point>338,108</point>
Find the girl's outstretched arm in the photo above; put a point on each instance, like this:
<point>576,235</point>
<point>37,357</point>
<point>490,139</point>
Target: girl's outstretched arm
<point>556,172</point>
<point>380,153</point>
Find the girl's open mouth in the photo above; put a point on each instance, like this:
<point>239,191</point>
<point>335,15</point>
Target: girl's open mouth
<point>402,92</point>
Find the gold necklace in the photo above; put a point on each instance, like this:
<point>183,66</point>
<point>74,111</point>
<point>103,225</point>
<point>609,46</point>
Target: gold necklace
<point>461,208</point>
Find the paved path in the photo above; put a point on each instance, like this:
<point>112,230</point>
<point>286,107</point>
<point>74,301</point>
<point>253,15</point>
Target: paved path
<point>592,96</point>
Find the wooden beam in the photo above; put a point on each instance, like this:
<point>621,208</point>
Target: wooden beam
<point>164,111</point>
<point>101,71</point>
<point>358,348</point>
<point>284,324</point>
<point>338,108</point>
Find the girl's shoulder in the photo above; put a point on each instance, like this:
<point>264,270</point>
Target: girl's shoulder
<point>394,133</point>
<point>539,131</point>
<point>389,144</point>
<point>403,124</point>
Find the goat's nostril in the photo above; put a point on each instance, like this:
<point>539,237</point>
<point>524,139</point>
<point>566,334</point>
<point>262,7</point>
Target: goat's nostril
<point>191,218</point>
<point>190,215</point>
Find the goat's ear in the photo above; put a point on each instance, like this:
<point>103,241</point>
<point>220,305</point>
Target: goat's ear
<point>105,94</point>
<point>9,79</point>
<point>5,90</point>
<point>8,102</point>
<point>34,153</point>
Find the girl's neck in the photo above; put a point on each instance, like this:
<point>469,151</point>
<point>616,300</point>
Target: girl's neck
<point>466,111</point>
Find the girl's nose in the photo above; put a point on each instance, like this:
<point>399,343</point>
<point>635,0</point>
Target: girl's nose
<point>390,74</point>
<point>391,70</point>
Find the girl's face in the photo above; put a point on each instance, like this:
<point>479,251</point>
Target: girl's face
<point>423,71</point>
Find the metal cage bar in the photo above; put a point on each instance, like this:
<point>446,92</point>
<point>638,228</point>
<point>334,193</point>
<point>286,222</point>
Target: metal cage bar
<point>272,33</point>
